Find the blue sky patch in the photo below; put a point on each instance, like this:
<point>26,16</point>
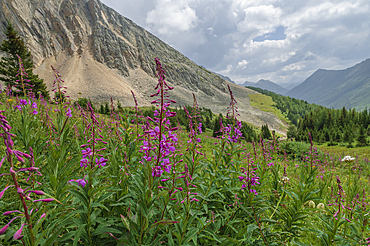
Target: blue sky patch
<point>278,34</point>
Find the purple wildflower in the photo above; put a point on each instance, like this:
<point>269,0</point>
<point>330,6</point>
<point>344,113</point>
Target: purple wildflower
<point>101,162</point>
<point>81,182</point>
<point>69,113</point>
<point>160,140</point>
<point>23,102</point>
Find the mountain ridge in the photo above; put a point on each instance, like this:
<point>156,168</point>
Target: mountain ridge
<point>348,87</point>
<point>267,85</point>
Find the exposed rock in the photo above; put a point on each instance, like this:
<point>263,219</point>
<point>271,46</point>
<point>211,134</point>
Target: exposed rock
<point>102,54</point>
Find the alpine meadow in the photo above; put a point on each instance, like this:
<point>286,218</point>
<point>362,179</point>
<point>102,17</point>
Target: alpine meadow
<point>112,137</point>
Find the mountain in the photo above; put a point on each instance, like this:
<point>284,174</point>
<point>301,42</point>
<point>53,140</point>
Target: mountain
<point>348,88</point>
<point>267,85</point>
<point>289,85</point>
<point>225,77</point>
<point>102,54</point>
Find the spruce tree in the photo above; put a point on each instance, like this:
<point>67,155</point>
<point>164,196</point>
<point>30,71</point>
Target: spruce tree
<point>361,139</point>
<point>265,132</point>
<point>217,126</point>
<point>14,45</point>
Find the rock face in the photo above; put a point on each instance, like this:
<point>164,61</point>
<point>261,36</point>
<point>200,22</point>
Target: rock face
<point>102,54</point>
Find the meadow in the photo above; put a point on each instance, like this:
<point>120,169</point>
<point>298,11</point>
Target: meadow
<point>70,176</point>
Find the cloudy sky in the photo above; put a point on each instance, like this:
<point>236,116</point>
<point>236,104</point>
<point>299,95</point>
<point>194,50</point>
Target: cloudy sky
<point>247,40</point>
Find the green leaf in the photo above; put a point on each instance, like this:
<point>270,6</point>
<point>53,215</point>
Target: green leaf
<point>53,237</point>
<point>190,234</point>
<point>80,196</point>
<point>78,234</point>
<point>230,239</point>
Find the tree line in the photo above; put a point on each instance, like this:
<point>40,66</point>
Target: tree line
<point>325,125</point>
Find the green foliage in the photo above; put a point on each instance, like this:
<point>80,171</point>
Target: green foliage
<point>293,109</point>
<point>9,64</point>
<point>361,138</point>
<point>123,204</point>
<point>265,132</point>
<point>217,126</point>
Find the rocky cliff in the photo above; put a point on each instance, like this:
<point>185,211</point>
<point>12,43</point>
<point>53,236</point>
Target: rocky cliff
<point>101,54</point>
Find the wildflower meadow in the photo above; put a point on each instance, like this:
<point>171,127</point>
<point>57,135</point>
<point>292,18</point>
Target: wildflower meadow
<point>71,176</point>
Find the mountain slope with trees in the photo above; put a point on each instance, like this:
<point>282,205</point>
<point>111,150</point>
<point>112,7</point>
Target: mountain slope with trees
<point>333,126</point>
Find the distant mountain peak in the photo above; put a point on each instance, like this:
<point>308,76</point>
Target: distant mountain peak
<point>267,85</point>
<point>349,87</point>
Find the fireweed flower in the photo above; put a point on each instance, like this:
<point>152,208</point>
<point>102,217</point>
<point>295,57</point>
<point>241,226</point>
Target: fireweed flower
<point>233,131</point>
<point>23,193</point>
<point>250,177</point>
<point>160,139</point>
<point>23,77</point>
<point>57,87</point>
<point>23,102</point>
<point>93,139</point>
<point>339,200</point>
<point>69,113</point>
<point>101,162</point>
<point>81,182</point>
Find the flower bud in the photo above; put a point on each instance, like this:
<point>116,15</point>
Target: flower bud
<point>37,192</point>
<point>3,230</point>
<point>44,200</point>
<point>17,234</point>
<point>9,212</point>
<point>2,193</point>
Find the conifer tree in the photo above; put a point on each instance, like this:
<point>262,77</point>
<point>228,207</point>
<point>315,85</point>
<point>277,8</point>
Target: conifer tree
<point>217,127</point>
<point>292,132</point>
<point>106,109</point>
<point>265,132</point>
<point>361,139</point>
<point>9,64</point>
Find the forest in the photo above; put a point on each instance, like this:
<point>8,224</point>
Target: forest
<point>332,126</point>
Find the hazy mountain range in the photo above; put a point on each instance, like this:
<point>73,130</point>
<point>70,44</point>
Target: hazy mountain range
<point>102,54</point>
<point>267,85</point>
<point>348,88</point>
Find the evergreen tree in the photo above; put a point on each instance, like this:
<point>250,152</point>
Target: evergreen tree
<point>9,64</point>
<point>292,132</point>
<point>119,106</point>
<point>265,132</point>
<point>217,127</point>
<point>207,122</point>
<point>361,139</point>
<point>106,109</point>
<point>102,110</point>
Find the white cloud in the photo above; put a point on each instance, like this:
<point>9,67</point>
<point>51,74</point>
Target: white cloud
<point>227,71</point>
<point>171,16</point>
<point>293,66</point>
<point>260,20</point>
<point>242,64</point>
